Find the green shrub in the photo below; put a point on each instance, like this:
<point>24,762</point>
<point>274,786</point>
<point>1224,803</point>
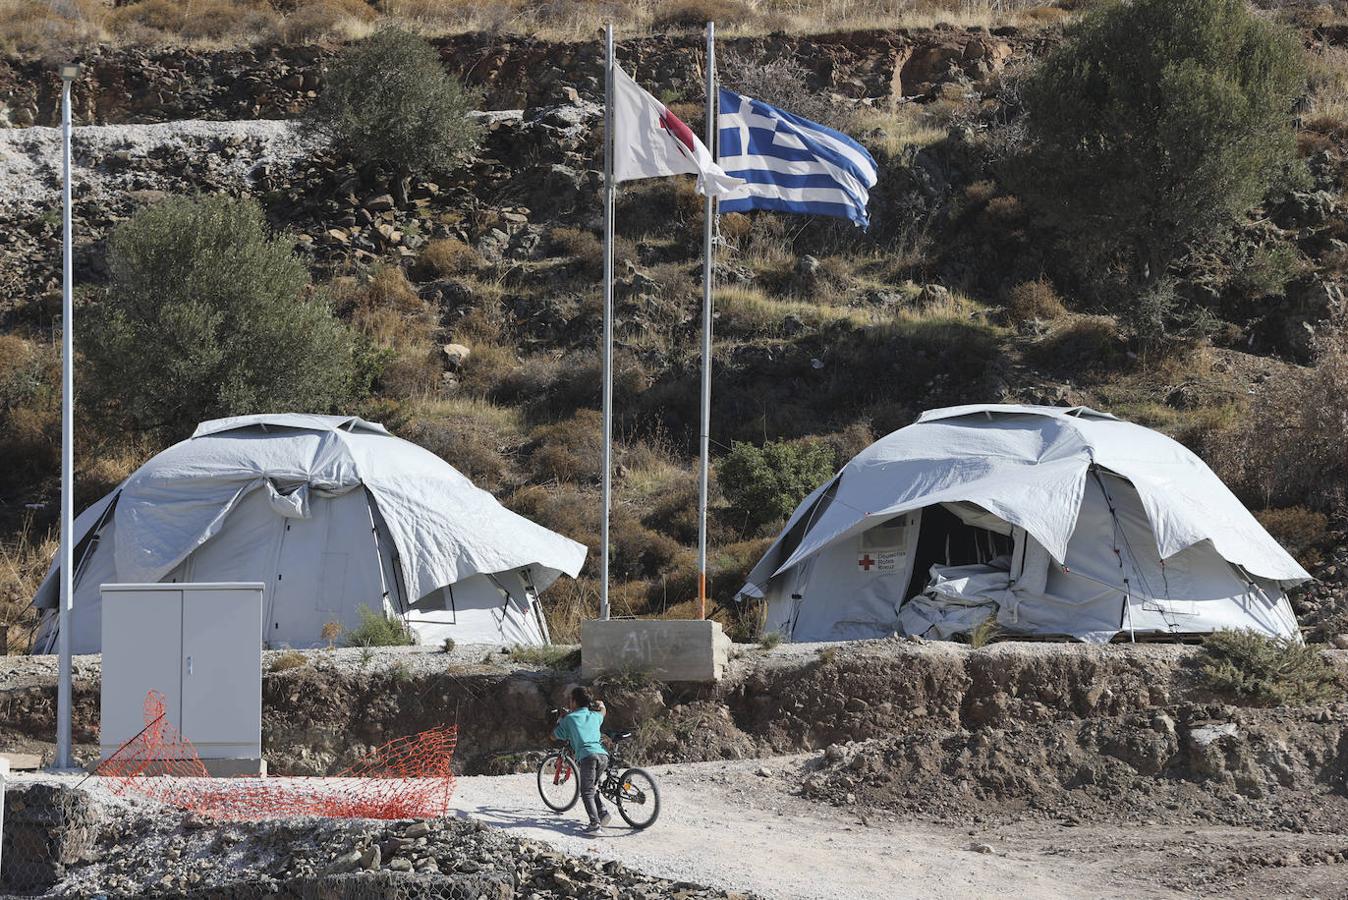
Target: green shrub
<point>764,484</point>
<point>205,316</point>
<point>387,101</point>
<point>771,639</point>
<point>1269,270</point>
<point>378,630</point>
<point>1158,122</point>
<point>1266,671</point>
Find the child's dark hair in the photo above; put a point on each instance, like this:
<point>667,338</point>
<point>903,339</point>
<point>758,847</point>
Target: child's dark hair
<point>581,697</point>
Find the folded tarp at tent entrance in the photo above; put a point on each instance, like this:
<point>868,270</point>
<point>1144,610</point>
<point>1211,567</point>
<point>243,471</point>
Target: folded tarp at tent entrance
<point>1109,528</point>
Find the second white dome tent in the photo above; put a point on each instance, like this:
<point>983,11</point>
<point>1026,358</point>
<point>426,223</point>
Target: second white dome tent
<point>1050,521</point>
<point>333,514</point>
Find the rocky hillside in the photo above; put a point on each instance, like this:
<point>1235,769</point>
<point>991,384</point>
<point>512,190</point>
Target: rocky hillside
<point>824,332</point>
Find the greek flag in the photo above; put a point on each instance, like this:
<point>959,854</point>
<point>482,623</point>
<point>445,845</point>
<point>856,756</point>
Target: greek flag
<point>791,164</point>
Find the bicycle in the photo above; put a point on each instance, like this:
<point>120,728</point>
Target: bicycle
<point>634,791</point>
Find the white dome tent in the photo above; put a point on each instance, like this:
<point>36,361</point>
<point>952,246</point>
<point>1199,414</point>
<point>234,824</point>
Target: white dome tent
<point>1057,521</point>
<point>332,513</point>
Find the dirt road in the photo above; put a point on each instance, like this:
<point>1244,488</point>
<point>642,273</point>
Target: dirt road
<point>723,824</point>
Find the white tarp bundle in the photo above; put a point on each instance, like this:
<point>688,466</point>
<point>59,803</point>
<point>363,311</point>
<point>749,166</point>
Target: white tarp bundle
<point>1110,527</point>
<point>350,514</point>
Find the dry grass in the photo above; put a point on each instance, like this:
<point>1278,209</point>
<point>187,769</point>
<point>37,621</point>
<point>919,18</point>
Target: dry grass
<point>24,560</point>
<point>290,659</point>
<point>35,26</point>
<point>473,435</point>
<point>387,310</point>
<point>1034,300</point>
<point>27,26</point>
<point>566,604</point>
<point>1081,344</point>
<point>326,20</point>
<point>1295,456</point>
<point>449,256</point>
<point>952,306</point>
<point>650,476</point>
<point>569,450</point>
<point>30,413</point>
<point>562,658</point>
<point>891,132</point>
<point>1325,110</point>
<point>1303,532</point>
<point>748,311</point>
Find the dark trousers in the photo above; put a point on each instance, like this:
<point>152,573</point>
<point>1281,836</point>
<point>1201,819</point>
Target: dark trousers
<point>592,770</point>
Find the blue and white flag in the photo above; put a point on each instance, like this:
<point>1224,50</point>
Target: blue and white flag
<point>791,164</point>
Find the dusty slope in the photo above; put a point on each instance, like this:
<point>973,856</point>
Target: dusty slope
<point>724,825</point>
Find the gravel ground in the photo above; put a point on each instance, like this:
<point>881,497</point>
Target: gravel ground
<point>725,825</point>
<point>741,826</point>
<point>30,671</point>
<point>108,159</point>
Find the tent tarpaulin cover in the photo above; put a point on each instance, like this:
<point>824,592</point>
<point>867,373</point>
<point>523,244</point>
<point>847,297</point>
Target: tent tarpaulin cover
<point>341,499</point>
<point>1165,543</point>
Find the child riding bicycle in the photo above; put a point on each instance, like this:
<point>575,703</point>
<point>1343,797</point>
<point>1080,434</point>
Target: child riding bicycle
<point>581,729</point>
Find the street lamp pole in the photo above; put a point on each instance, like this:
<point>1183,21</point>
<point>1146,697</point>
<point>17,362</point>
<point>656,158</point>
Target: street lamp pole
<point>64,759</point>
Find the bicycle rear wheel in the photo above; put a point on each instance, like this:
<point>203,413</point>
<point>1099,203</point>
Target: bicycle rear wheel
<point>558,781</point>
<point>638,798</point>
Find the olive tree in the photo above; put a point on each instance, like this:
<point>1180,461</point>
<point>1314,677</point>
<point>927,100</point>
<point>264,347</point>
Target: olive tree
<point>207,315</point>
<point>1158,122</point>
<point>388,104</point>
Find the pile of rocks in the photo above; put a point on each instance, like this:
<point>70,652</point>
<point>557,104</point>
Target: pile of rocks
<point>1322,605</point>
<point>144,850</point>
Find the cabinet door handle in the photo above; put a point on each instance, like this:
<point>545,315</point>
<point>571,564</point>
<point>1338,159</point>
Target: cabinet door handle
<point>189,665</point>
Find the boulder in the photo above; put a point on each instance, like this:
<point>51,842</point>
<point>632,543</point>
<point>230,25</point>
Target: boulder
<point>456,355</point>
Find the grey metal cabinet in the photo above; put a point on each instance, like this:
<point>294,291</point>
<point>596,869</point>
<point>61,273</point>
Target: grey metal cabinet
<point>198,645</point>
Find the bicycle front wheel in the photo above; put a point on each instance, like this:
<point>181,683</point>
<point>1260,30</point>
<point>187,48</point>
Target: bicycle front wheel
<point>638,798</point>
<point>558,781</point>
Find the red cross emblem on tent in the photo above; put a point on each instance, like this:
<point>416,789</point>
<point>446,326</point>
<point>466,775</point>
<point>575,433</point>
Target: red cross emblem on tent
<point>864,562</point>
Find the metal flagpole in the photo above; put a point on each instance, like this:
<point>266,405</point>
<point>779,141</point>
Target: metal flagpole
<point>63,691</point>
<point>608,319</point>
<point>708,268</point>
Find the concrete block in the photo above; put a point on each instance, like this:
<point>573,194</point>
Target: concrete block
<point>665,649</point>
<point>21,762</point>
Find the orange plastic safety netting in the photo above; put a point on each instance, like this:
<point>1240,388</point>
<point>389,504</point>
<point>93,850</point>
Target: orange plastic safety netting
<point>407,778</point>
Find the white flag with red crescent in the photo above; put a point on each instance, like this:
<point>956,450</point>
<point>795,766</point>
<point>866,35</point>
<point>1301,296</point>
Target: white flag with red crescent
<point>649,141</point>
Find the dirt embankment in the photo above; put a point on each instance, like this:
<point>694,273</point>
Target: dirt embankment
<point>124,85</point>
<point>1138,705</point>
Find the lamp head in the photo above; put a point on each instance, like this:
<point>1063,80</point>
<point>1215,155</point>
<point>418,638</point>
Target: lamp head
<point>70,71</point>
